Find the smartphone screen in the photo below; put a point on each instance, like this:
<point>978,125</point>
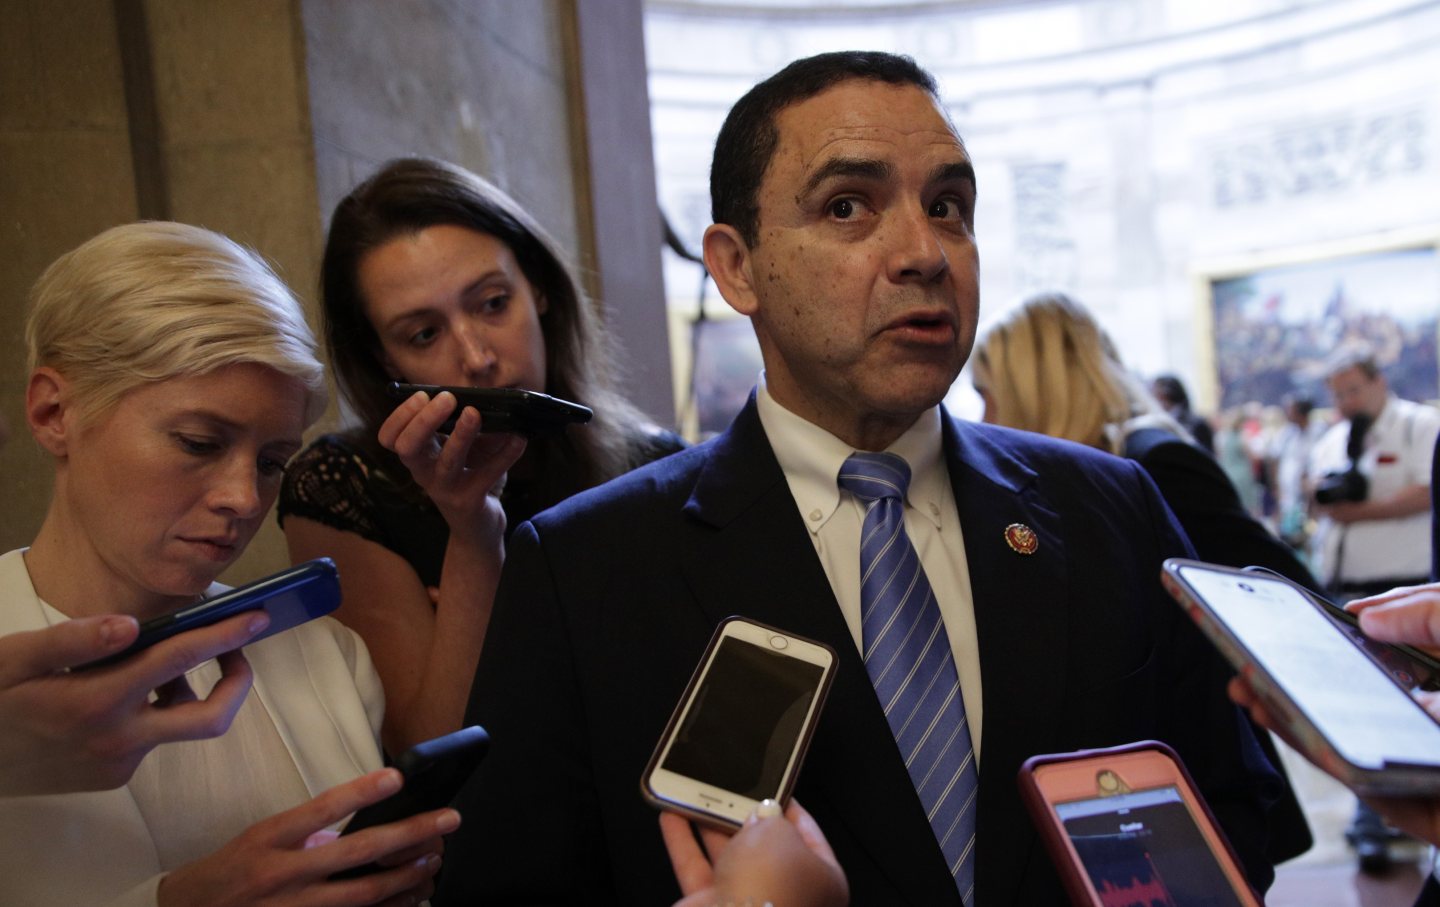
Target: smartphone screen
<point>1145,848</point>
<point>1368,719</point>
<point>740,732</point>
<point>745,719</point>
<point>1412,668</point>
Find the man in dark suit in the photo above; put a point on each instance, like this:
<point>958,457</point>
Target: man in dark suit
<point>843,203</point>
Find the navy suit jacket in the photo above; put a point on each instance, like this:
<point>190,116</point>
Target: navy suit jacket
<point>608,600</point>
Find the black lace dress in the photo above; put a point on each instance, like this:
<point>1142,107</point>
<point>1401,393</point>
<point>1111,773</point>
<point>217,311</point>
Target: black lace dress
<point>335,483</point>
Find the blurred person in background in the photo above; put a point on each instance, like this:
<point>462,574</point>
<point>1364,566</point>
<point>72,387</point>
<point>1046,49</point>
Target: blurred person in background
<point>1048,367</point>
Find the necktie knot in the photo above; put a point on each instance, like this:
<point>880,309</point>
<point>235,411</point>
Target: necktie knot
<point>873,476</point>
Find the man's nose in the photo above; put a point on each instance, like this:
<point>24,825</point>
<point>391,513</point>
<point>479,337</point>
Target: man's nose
<point>916,253</point>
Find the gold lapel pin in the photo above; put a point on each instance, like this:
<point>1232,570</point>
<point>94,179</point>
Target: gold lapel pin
<point>1021,538</point>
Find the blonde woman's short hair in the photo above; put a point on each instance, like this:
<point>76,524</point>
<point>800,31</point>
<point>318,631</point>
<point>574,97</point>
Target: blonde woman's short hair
<point>1048,367</point>
<point>145,302</point>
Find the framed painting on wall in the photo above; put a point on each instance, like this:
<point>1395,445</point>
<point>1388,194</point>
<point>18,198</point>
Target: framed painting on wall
<point>1274,321</point>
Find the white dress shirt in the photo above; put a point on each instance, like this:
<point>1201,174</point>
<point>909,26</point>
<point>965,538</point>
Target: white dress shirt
<point>811,458</point>
<point>1397,454</point>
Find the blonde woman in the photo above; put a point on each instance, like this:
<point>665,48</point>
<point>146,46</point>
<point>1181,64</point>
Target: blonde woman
<point>171,377</point>
<point>1048,367</point>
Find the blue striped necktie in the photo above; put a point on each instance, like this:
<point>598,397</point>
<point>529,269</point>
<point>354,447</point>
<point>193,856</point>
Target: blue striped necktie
<point>907,655</point>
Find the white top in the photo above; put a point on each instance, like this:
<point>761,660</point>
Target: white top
<point>1397,454</point>
<point>811,459</point>
<point>311,721</point>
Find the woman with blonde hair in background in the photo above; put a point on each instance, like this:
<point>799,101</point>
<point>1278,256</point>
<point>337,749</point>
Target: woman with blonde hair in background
<point>1048,367</point>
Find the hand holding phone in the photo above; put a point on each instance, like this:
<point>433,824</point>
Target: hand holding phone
<point>291,857</point>
<point>433,772</point>
<point>66,732</point>
<point>291,597</point>
<point>1333,700</point>
<point>740,731</point>
<point>503,409</point>
<point>1127,825</point>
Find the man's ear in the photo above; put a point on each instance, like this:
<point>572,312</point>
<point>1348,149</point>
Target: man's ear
<point>728,259</point>
<point>49,409</point>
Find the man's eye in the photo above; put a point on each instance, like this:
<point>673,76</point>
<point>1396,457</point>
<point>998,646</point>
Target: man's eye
<point>842,208</point>
<point>422,337</point>
<point>947,208</point>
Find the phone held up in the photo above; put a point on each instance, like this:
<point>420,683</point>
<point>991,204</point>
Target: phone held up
<point>434,772</point>
<point>291,597</point>
<point>1127,825</point>
<point>503,409</point>
<point>741,729</point>
<point>1338,703</point>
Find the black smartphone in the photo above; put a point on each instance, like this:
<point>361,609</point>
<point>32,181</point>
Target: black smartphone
<point>291,597</point>
<point>740,731</point>
<point>434,773</point>
<point>509,409</point>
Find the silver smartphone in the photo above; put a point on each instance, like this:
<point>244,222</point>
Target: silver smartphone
<point>1345,711</point>
<point>741,729</point>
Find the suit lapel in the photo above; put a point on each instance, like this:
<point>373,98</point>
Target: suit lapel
<point>755,558</point>
<point>1019,617</point>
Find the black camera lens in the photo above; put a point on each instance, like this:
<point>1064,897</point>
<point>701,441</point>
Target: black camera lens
<point>1343,485</point>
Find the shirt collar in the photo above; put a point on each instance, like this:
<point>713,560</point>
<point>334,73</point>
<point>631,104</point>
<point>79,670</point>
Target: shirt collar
<point>811,458</point>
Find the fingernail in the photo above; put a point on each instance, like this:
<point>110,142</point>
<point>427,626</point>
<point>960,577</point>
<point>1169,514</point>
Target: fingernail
<point>390,782</point>
<point>768,809</point>
<point>430,863</point>
<point>258,621</point>
<point>115,630</point>
<point>448,821</point>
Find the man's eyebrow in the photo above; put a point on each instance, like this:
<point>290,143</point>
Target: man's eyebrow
<point>864,168</point>
<point>952,172</point>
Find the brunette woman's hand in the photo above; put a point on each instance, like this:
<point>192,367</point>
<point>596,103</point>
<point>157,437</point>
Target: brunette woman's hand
<point>462,473</point>
<point>288,858</point>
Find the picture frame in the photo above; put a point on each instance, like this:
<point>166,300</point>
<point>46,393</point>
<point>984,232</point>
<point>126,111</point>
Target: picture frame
<point>1269,323</point>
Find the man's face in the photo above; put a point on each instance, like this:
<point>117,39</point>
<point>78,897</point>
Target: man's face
<point>1355,392</point>
<point>862,285</point>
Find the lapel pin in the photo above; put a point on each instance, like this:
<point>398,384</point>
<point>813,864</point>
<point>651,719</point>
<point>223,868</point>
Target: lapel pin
<point>1021,538</point>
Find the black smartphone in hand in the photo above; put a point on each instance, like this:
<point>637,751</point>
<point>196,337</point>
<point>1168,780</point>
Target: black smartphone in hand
<point>291,597</point>
<point>434,772</point>
<point>503,409</point>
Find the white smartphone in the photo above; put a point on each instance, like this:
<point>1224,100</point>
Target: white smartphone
<point>1342,707</point>
<point>1126,825</point>
<point>741,729</point>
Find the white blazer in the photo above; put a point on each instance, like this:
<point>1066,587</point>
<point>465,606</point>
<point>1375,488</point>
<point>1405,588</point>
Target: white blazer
<point>316,686</point>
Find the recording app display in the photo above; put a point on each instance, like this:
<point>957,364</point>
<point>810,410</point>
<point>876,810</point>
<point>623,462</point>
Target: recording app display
<point>1143,849</point>
<point>744,720</point>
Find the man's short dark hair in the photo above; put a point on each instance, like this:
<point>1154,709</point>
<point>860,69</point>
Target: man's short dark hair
<point>747,140</point>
